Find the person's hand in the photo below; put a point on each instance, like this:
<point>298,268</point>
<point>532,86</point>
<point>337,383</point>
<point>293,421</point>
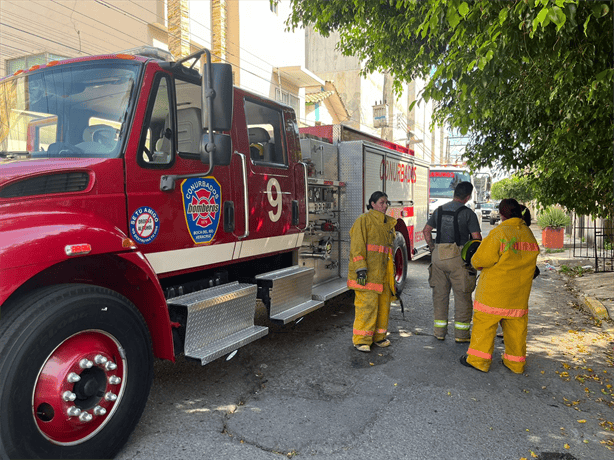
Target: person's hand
<point>361,277</point>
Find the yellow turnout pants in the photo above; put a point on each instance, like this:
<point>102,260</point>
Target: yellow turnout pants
<point>371,321</point>
<point>482,345</point>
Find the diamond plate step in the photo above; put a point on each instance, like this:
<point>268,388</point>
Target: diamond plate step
<point>296,312</point>
<point>329,289</point>
<point>220,320</point>
<point>289,291</point>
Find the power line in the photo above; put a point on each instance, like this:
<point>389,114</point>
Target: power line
<point>125,13</point>
<point>37,36</point>
<point>230,41</point>
<point>93,49</point>
<point>24,20</point>
<point>204,40</point>
<point>138,40</point>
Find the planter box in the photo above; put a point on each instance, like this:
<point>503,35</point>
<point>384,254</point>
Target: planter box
<point>553,238</point>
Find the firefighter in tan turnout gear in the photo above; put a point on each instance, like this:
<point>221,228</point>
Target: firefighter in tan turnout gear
<point>456,224</point>
<point>371,273</point>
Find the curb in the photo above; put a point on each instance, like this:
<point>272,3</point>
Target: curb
<point>596,308</point>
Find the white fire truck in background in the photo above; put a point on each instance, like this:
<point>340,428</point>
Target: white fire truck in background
<point>443,179</point>
<point>147,210</point>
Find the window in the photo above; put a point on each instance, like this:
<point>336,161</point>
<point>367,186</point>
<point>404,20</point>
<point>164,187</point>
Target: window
<point>25,62</point>
<point>288,98</point>
<point>443,183</point>
<point>264,128</point>
<point>73,110</point>
<point>157,138</point>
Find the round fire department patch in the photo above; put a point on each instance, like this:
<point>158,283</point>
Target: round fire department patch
<point>144,225</point>
<point>202,198</point>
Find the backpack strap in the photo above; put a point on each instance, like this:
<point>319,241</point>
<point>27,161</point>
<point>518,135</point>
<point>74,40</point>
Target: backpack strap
<point>454,214</point>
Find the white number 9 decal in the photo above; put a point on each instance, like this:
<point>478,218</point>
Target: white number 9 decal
<point>275,202</point>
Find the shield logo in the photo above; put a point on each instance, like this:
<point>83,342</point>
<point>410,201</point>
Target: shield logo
<point>202,198</point>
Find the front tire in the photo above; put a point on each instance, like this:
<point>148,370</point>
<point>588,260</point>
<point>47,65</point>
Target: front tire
<point>399,254</point>
<point>76,366</point>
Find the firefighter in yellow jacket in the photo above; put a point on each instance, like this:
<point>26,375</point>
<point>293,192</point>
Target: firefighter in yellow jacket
<point>371,273</point>
<point>507,258</point>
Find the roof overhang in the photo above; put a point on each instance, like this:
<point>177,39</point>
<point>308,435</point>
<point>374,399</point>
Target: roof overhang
<point>299,76</point>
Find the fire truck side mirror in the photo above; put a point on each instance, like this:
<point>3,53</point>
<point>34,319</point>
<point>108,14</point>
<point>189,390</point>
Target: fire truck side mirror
<point>221,86</point>
<point>223,149</point>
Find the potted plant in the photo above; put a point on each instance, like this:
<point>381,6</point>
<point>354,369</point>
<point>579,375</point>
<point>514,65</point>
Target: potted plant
<point>553,221</point>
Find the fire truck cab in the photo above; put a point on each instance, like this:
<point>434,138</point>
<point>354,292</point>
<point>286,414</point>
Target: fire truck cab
<point>147,210</point>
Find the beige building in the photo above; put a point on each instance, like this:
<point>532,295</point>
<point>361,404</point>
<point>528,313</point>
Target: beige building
<point>299,68</point>
<point>371,103</point>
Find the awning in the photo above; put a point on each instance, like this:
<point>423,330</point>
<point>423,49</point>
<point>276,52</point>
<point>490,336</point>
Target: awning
<point>328,94</point>
<point>312,98</point>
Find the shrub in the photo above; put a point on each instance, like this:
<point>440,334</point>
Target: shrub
<point>553,217</point>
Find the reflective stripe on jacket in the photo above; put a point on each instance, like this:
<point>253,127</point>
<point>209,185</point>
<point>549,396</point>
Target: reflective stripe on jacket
<point>371,250</point>
<point>507,258</point>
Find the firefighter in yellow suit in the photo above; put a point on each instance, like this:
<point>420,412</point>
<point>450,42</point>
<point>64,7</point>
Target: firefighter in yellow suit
<point>507,258</point>
<point>371,273</point>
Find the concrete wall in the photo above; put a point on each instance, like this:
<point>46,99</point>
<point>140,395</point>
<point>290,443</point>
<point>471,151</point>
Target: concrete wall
<point>75,28</point>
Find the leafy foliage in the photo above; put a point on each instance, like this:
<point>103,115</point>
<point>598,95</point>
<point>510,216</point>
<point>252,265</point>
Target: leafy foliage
<point>530,80</point>
<point>553,217</point>
<point>517,187</point>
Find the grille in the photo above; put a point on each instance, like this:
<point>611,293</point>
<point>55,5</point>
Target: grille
<point>44,185</point>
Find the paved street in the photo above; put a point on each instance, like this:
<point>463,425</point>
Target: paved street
<point>304,391</point>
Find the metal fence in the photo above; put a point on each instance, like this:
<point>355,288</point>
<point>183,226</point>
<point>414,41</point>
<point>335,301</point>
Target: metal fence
<point>594,239</point>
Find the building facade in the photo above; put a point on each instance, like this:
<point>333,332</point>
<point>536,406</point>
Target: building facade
<point>300,68</point>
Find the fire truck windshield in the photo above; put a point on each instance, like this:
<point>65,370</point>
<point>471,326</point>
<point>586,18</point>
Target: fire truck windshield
<point>69,110</point>
<point>443,183</point>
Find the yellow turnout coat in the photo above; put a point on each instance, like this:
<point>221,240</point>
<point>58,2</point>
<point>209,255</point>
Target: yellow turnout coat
<point>507,258</point>
<point>371,250</point>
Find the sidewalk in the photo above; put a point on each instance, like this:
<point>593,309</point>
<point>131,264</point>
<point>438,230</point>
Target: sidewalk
<point>595,290</point>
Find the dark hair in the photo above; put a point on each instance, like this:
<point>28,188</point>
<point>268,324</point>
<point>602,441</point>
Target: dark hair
<point>509,208</point>
<point>374,197</point>
<point>463,190</point>
<point>526,214</point>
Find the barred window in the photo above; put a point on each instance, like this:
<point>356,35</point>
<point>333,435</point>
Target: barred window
<point>288,98</point>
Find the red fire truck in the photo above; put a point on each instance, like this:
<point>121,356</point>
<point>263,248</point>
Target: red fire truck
<point>147,210</point>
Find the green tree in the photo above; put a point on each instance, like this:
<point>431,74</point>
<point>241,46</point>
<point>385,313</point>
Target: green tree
<point>517,187</point>
<point>530,80</point>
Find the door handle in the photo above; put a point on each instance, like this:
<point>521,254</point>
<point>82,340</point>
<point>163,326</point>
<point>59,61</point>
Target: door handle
<point>245,194</point>
<point>229,216</point>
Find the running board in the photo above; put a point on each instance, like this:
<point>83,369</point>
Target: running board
<point>330,289</point>
<point>287,293</point>
<point>219,320</point>
<point>302,309</point>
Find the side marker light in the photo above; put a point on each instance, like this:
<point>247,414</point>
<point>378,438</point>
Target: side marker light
<point>78,249</point>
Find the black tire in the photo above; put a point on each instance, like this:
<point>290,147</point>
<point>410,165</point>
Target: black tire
<point>493,221</point>
<point>399,254</point>
<point>70,323</point>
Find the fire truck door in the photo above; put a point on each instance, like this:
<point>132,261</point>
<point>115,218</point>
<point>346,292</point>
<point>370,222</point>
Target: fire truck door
<point>182,228</point>
<point>261,135</point>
